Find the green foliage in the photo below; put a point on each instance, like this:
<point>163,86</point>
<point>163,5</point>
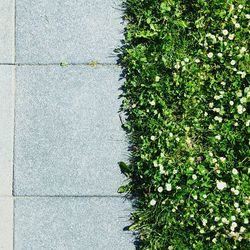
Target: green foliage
<point>187,97</point>
<point>93,64</point>
<point>124,168</point>
<point>64,64</point>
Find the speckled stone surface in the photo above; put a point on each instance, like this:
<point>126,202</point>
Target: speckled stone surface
<point>7,76</point>
<point>68,135</point>
<point>76,31</point>
<point>6,223</point>
<point>72,224</point>
<point>7,31</point>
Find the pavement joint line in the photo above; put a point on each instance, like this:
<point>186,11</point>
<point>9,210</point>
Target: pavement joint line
<point>14,129</point>
<point>13,184</point>
<point>67,196</point>
<point>15,37</point>
<point>14,224</point>
<point>58,64</point>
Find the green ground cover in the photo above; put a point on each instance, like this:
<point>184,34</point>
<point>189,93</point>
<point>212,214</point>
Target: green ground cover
<point>186,96</point>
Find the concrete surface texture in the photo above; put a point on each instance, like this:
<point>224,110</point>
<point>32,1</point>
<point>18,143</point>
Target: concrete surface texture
<point>6,223</point>
<point>7,31</point>
<point>72,223</point>
<point>60,132</point>
<point>68,136</point>
<point>7,81</point>
<point>75,31</point>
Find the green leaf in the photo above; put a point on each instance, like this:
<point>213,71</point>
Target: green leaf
<point>124,168</point>
<point>123,189</point>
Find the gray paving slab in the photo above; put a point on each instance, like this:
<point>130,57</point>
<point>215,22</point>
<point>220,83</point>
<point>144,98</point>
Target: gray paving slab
<point>64,30</point>
<point>68,135</point>
<point>7,78</point>
<point>6,223</point>
<point>7,31</point>
<point>72,224</point>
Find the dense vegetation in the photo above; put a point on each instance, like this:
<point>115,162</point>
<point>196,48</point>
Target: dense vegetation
<point>186,97</point>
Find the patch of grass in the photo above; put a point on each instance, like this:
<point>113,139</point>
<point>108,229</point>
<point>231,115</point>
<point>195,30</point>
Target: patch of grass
<point>186,97</point>
<point>64,64</point>
<point>93,64</point>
